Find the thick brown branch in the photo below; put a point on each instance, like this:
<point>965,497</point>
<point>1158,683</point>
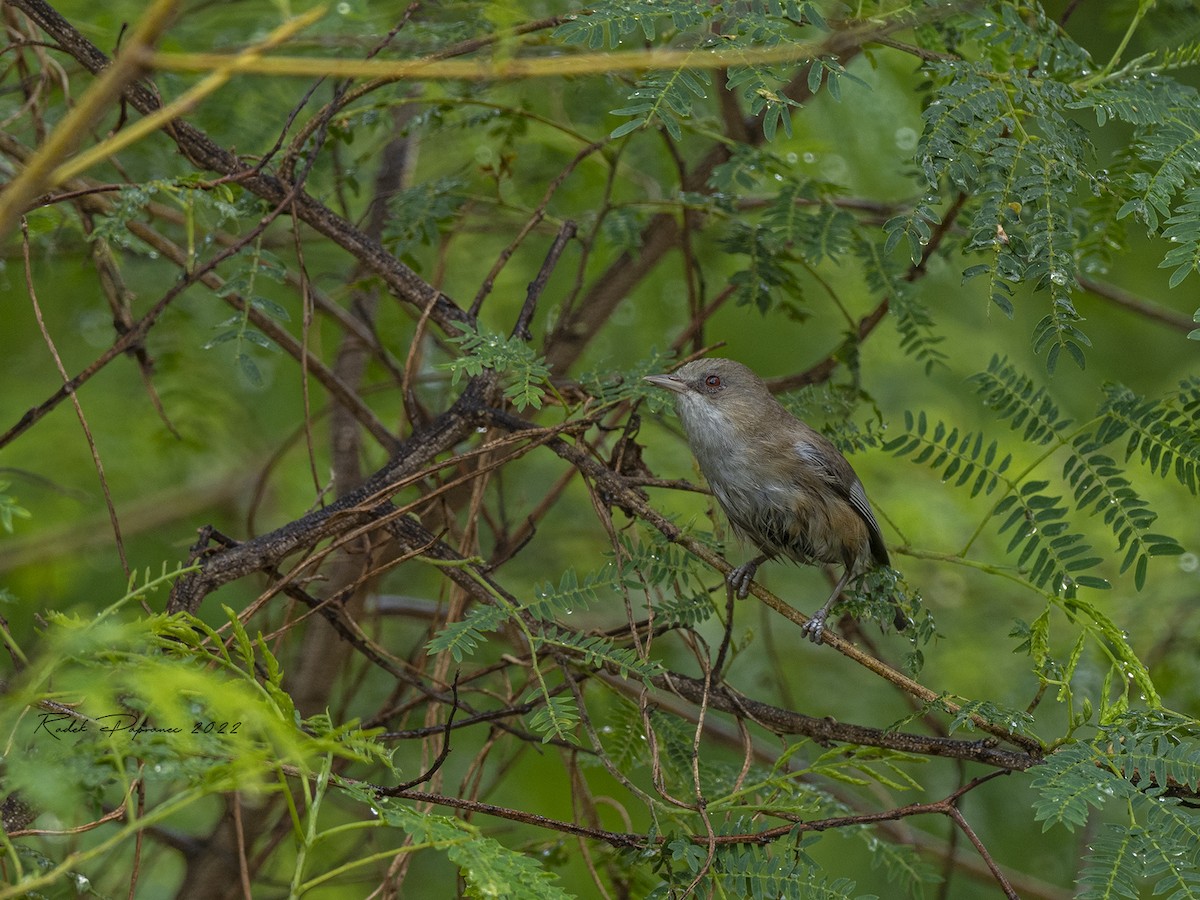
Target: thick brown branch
<point>354,509</point>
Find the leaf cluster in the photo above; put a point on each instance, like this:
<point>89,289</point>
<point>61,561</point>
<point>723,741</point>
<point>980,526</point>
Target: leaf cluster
<point>488,867</point>
<point>1130,770</point>
<point>525,373</point>
<point>1048,549</point>
<point>999,132</point>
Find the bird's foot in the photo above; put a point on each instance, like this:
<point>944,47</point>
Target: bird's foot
<point>740,578</point>
<point>814,628</point>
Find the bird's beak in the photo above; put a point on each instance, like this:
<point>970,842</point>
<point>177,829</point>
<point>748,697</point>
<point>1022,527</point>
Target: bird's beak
<point>670,382</point>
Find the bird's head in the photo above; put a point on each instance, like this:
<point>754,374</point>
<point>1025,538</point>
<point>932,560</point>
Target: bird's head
<point>718,394</point>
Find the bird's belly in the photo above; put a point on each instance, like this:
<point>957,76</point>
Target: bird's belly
<point>783,519</point>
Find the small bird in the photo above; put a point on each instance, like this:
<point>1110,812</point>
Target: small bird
<point>783,486</point>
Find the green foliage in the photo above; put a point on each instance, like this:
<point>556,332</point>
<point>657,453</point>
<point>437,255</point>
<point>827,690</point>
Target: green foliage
<point>10,509</point>
<point>999,132</point>
<point>118,699</point>
<point>610,388</point>
<point>778,870</point>
<point>1038,525</point>
<point>669,96</point>
<point>206,208</point>
<point>417,215</point>
<point>663,96</point>
<point>803,219</point>
<point>554,715</point>
<point>963,455</point>
<point>1014,397</point>
<point>606,24</point>
<point>462,637</point>
<point>237,329</point>
<point>1097,480</point>
<point>878,594</point>
<point>524,371</point>
<point>801,225</point>
<point>1016,721</point>
<point>1183,229</point>
<point>488,867</point>
<point>1056,556</point>
<point>1164,433</point>
<point>765,275</point>
<point>1129,769</point>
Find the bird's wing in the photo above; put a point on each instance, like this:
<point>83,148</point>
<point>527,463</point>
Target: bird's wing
<point>835,471</point>
<point>858,499</point>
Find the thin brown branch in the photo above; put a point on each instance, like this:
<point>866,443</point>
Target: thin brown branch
<point>957,817</point>
<point>440,760</point>
<point>826,730</point>
<point>354,509</point>
<point>539,213</point>
<point>521,329</point>
<point>114,521</point>
<point>1137,305</point>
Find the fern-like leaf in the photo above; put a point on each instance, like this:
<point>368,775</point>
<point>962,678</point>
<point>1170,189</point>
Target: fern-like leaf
<point>1164,435</point>
<point>524,371</point>
<point>1070,783</point>
<point>605,24</point>
<point>488,867</point>
<point>461,638</point>
<point>765,275</point>
<point>1183,229</point>
<point>1014,397</point>
<point>555,716</point>
<point>965,457</point>
<point>666,96</point>
<point>600,652</point>
<point>1129,767</point>
<point>802,219</point>
<point>1099,484</point>
<point>1053,555</point>
<point>1112,867</point>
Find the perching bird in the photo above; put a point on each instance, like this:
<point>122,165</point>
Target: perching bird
<point>783,486</point>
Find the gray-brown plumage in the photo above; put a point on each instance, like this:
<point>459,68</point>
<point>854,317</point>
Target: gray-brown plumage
<point>783,486</point>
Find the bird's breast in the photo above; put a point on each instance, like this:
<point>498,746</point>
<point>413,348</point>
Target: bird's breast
<point>784,507</point>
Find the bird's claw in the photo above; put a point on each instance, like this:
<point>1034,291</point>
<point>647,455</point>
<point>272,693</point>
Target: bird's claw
<point>814,628</point>
<point>740,579</point>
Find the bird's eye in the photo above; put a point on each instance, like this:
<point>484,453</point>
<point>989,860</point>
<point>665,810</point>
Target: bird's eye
<point>713,381</point>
